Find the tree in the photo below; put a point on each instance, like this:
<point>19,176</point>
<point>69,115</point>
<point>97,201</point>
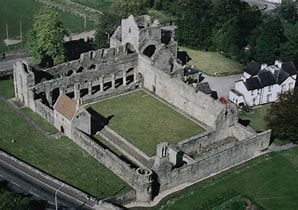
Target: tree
<point>108,23</point>
<point>282,116</point>
<point>267,47</point>
<point>124,8</point>
<point>46,40</point>
<point>289,50</point>
<point>288,11</point>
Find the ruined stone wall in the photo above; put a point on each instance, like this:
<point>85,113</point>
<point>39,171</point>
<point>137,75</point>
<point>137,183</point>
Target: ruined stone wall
<point>241,132</point>
<point>110,93</point>
<point>130,32</point>
<point>141,182</point>
<point>192,144</point>
<point>196,104</point>
<point>208,166</point>
<point>44,111</point>
<point>23,79</point>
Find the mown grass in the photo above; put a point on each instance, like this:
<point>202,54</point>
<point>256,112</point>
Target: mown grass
<point>40,121</point>
<point>256,117</point>
<point>212,63</point>
<point>271,181</point>
<point>12,11</point>
<point>59,157</point>
<point>6,88</point>
<point>145,121</point>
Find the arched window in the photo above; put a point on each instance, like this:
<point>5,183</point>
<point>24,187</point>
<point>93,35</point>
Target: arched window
<point>149,51</point>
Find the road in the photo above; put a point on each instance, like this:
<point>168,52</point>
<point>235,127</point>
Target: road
<point>23,180</point>
<point>8,64</point>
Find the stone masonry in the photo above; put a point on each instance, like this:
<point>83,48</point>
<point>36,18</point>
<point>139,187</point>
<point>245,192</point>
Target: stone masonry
<point>143,54</point>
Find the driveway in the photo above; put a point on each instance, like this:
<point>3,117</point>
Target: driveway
<point>222,85</point>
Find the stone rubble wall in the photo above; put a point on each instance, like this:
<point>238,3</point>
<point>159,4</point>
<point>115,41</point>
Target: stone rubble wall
<point>196,104</point>
<point>44,111</point>
<point>208,166</point>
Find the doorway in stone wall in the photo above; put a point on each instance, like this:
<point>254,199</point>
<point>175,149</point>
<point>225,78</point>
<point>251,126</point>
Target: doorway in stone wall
<point>61,129</point>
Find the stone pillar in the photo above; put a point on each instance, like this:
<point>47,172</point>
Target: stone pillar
<point>90,88</point>
<point>135,73</point>
<point>77,94</point>
<point>113,81</point>
<point>124,79</point>
<point>101,83</point>
<point>49,97</point>
<point>61,91</point>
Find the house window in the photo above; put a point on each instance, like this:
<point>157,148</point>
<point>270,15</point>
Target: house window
<point>252,92</point>
<point>269,97</point>
<point>290,85</point>
<point>129,30</point>
<point>283,87</point>
<point>259,91</point>
<point>269,88</point>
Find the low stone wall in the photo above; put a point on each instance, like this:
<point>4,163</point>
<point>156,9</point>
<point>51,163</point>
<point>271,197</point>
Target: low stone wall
<point>241,132</point>
<point>203,168</point>
<point>44,111</point>
<point>39,174</point>
<point>192,144</point>
<point>140,179</point>
<point>6,72</point>
<point>123,199</point>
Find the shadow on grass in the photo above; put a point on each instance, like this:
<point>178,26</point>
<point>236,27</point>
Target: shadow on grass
<point>98,121</point>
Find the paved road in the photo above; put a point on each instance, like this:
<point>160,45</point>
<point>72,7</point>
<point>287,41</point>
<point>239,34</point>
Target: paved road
<point>8,64</point>
<point>222,84</point>
<point>263,4</point>
<point>27,181</point>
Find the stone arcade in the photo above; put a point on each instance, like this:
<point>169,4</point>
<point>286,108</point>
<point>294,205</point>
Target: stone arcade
<point>143,55</point>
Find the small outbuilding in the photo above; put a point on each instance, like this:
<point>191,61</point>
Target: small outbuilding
<point>68,115</point>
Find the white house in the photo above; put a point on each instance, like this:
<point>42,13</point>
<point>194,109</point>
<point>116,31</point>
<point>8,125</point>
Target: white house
<point>261,84</point>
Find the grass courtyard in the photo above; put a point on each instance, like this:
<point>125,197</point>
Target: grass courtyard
<point>12,11</point>
<point>271,181</point>
<point>212,63</point>
<point>59,157</point>
<point>145,121</point>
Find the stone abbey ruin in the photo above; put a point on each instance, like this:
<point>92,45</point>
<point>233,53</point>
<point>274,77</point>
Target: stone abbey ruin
<point>142,55</point>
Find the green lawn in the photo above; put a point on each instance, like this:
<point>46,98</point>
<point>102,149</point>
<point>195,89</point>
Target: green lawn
<point>256,117</point>
<point>12,11</point>
<point>271,181</point>
<point>40,121</point>
<point>212,63</point>
<point>7,88</point>
<point>60,158</point>
<point>145,121</point>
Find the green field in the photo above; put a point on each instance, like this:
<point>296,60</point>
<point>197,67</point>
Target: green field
<point>101,5</point>
<point>7,88</point>
<point>12,11</point>
<point>212,63</point>
<point>60,158</point>
<point>271,181</point>
<point>145,121</point>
